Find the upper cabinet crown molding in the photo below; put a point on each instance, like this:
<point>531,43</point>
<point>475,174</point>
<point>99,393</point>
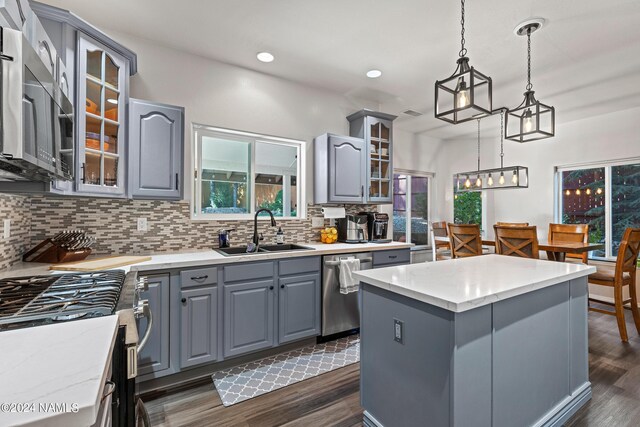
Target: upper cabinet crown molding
<point>370,113</point>
<point>60,15</point>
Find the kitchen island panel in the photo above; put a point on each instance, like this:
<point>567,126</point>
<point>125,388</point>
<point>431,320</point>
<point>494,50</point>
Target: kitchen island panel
<point>411,380</point>
<point>518,361</point>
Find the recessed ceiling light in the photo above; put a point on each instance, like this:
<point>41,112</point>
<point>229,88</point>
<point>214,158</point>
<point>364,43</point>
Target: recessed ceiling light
<point>265,57</point>
<point>374,74</point>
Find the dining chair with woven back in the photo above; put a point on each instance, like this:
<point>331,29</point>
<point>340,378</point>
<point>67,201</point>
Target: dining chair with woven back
<point>623,275</point>
<point>440,248</point>
<point>519,241</point>
<point>465,240</point>
<point>571,233</point>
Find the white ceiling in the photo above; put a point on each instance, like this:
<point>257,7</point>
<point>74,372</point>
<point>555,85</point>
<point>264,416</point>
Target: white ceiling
<point>586,61</point>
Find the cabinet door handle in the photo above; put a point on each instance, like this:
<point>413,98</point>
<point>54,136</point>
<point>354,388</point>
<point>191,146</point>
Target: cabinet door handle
<point>281,286</point>
<point>205,277</point>
<point>83,179</point>
<point>177,181</point>
<point>183,300</point>
<point>362,191</point>
<point>270,288</point>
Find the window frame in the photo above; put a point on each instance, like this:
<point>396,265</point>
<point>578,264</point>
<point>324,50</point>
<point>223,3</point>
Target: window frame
<point>200,130</point>
<point>607,165</point>
<point>418,174</point>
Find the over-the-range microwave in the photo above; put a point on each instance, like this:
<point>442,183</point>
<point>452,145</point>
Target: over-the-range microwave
<point>36,127</point>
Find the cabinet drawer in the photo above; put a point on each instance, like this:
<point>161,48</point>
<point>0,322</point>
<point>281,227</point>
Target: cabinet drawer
<point>398,256</point>
<point>300,265</point>
<point>256,270</point>
<point>199,277</point>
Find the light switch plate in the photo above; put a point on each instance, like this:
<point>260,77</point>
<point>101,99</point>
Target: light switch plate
<point>398,331</point>
<point>317,221</point>
<point>7,228</point>
<point>142,224</point>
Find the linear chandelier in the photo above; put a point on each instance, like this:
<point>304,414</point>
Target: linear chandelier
<point>508,177</point>
<point>467,93</point>
<point>531,120</point>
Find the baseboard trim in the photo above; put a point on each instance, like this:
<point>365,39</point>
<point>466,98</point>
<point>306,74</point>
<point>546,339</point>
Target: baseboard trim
<point>370,421</point>
<point>561,413</point>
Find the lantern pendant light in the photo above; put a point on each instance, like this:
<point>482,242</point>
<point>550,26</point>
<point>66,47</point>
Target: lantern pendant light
<point>531,120</point>
<point>467,93</point>
<point>507,177</point>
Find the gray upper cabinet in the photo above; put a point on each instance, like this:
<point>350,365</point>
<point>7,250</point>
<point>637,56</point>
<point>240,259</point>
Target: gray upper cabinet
<point>248,317</point>
<point>101,84</point>
<point>156,143</point>
<point>340,174</point>
<point>299,307</point>
<point>376,129</point>
<point>154,357</point>
<point>199,326</point>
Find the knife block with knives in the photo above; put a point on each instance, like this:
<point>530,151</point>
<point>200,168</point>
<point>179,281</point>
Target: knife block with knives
<point>66,246</point>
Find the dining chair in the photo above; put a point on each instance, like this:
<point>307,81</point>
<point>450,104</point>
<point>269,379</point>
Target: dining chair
<point>571,233</point>
<point>439,229</point>
<point>513,224</point>
<point>623,275</point>
<point>465,240</point>
<point>520,241</point>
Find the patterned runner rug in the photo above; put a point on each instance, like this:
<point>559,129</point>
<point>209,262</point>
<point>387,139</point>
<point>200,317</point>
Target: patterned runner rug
<point>255,378</point>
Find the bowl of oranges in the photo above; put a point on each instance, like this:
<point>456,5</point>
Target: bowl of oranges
<point>329,235</point>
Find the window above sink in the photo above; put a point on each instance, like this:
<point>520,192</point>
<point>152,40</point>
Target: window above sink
<point>236,173</point>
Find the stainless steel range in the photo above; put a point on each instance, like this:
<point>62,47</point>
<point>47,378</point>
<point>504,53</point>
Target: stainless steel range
<point>40,300</point>
<point>32,301</point>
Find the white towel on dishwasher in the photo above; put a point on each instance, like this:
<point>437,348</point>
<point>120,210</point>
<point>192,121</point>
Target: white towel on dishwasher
<point>348,283</point>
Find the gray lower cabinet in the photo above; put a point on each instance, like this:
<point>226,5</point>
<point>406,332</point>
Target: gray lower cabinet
<point>154,357</point>
<point>156,141</point>
<point>299,307</point>
<point>198,326</point>
<point>248,317</point>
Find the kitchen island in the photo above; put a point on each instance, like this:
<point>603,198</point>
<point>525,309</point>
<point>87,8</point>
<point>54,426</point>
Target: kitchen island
<point>482,341</point>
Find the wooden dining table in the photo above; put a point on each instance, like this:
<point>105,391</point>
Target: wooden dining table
<point>556,250</point>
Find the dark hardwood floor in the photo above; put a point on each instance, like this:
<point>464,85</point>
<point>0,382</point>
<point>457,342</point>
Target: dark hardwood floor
<point>333,399</point>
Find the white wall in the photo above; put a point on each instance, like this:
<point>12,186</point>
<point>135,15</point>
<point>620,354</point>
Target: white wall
<point>223,95</point>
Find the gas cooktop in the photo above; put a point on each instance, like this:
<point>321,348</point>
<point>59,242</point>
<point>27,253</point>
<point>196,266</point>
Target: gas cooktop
<point>32,301</point>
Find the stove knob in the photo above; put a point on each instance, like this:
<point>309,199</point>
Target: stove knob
<point>142,284</point>
<point>141,309</point>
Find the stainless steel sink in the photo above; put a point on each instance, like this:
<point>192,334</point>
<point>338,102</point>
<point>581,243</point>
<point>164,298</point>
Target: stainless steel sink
<point>242,250</point>
<point>284,248</point>
<point>237,251</point>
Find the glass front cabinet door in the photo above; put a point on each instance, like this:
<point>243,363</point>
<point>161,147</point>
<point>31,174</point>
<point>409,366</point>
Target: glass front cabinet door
<point>102,96</point>
<point>376,129</point>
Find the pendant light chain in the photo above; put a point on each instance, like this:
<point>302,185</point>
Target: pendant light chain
<point>501,139</point>
<point>463,50</point>
<point>529,85</point>
<point>478,144</point>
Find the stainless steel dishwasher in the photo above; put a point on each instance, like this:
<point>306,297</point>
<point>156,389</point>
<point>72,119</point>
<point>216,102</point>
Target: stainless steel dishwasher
<point>340,313</point>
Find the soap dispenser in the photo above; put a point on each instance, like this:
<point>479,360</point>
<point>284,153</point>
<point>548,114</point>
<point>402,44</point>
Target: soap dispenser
<point>280,236</point>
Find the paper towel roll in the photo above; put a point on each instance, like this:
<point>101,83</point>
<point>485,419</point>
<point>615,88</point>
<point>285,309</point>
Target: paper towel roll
<point>334,212</point>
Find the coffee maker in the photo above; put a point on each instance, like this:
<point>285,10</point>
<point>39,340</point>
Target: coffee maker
<point>378,224</point>
<point>353,229</point>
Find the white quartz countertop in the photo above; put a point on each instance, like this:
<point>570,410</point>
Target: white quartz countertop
<point>63,364</point>
<point>211,257</point>
<point>462,284</point>
<point>170,260</point>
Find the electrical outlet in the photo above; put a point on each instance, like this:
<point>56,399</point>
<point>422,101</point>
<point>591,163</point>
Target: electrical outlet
<point>142,224</point>
<point>398,330</point>
<point>317,221</point>
<point>7,228</point>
